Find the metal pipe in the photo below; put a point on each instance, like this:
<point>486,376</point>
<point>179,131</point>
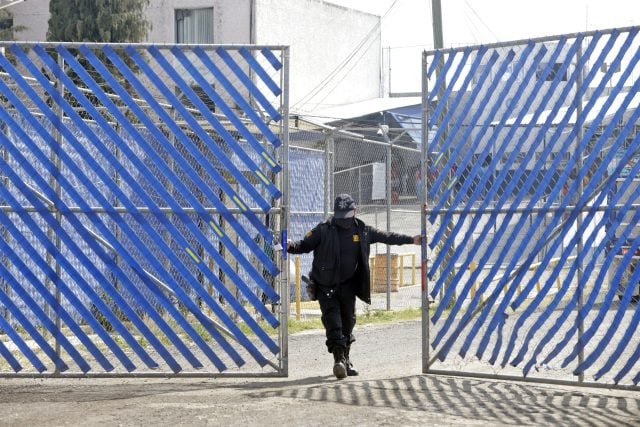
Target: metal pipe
<point>579,163</point>
<point>515,378</point>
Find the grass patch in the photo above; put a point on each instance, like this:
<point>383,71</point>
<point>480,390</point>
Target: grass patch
<point>370,317</point>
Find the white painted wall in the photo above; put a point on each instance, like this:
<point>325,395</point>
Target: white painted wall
<point>321,36</point>
<point>34,15</point>
<point>231,19</point>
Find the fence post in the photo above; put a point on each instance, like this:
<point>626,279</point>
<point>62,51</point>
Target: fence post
<point>385,133</point>
<point>578,154</point>
<point>297,263</point>
<point>328,174</point>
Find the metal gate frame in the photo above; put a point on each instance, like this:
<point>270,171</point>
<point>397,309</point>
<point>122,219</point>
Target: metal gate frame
<point>436,105</point>
<point>255,126</point>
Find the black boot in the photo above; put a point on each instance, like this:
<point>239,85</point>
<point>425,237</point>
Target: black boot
<point>351,371</point>
<point>339,363</point>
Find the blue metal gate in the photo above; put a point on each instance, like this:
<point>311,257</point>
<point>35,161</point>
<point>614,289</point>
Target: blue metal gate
<point>532,196</point>
<point>141,202</point>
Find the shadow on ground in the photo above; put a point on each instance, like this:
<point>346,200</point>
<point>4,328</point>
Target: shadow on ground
<point>482,401</point>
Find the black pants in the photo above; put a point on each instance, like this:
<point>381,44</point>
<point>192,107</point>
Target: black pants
<point>338,307</point>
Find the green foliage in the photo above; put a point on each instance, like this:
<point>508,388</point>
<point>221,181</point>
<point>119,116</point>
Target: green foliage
<point>7,29</point>
<point>97,21</point>
<point>100,21</point>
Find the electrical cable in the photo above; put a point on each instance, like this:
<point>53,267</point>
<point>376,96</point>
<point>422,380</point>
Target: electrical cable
<point>325,82</point>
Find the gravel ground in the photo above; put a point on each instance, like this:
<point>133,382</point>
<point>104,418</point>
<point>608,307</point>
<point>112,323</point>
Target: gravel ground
<point>389,391</point>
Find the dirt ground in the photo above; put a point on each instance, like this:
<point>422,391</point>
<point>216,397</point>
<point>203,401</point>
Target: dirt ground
<point>389,391</point>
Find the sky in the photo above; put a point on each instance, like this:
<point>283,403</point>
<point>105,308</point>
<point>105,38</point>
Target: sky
<point>407,25</point>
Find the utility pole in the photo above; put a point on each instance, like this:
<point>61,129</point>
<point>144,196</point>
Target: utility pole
<point>436,18</point>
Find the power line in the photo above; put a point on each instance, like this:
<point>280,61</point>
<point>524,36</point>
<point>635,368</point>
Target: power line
<point>366,41</point>
<point>481,20</point>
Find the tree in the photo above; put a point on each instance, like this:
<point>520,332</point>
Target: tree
<point>97,21</point>
<point>101,21</point>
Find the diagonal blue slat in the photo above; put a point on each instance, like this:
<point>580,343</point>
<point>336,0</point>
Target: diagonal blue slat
<point>563,317</point>
<point>251,269</point>
<point>260,71</point>
<point>441,80</point>
<point>206,271</point>
<point>244,105</point>
<point>566,252</point>
<point>443,125</point>
<point>89,233</point>
<point>502,175</point>
<point>150,337</point>
<point>514,180</point>
<point>595,292</point>
<point>71,270</point>
<point>436,58</point>
<point>268,262</point>
<point>206,297</point>
<point>610,254</point>
<point>88,264</point>
<point>624,343</point>
<point>591,330</point>
<point>262,229</point>
<point>226,110</point>
<point>46,321</point>
<point>549,179</point>
<point>496,265</point>
<point>536,223</point>
<point>4,351</point>
<point>248,84</point>
<point>95,299</point>
<point>615,324</point>
<point>557,217</point>
<point>126,256</point>
<point>34,334</point>
<point>557,299</point>
<point>221,156</point>
<point>65,291</point>
<point>467,159</point>
<point>271,57</point>
<point>494,109</point>
<point>598,119</point>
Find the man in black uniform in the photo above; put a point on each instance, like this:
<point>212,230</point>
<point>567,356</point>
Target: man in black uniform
<point>340,271</point>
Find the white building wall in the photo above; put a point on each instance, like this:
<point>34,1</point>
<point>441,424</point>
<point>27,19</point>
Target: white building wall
<point>321,36</point>
<point>232,19</point>
<point>34,16</point>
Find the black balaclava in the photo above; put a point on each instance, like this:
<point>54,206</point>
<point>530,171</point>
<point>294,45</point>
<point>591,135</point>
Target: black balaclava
<point>345,223</point>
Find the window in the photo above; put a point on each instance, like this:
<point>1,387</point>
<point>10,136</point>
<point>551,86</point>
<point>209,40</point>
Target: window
<point>194,26</point>
<point>555,69</point>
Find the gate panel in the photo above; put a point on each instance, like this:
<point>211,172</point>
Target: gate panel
<point>141,198</point>
<point>532,188</point>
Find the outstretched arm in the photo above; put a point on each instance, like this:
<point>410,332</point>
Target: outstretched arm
<point>307,244</point>
<point>391,238</point>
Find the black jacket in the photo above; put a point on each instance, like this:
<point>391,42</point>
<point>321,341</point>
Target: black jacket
<point>324,242</point>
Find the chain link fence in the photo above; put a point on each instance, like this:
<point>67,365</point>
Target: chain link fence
<point>532,207</point>
<point>380,168</point>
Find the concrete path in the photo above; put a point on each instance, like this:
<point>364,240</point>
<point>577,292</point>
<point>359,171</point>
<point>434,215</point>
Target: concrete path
<point>390,391</point>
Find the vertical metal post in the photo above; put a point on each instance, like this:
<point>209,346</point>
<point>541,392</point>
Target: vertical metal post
<point>328,174</point>
<point>578,154</point>
<point>424,162</point>
<point>5,182</point>
<point>284,216</point>
<point>56,186</point>
<point>385,134</point>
